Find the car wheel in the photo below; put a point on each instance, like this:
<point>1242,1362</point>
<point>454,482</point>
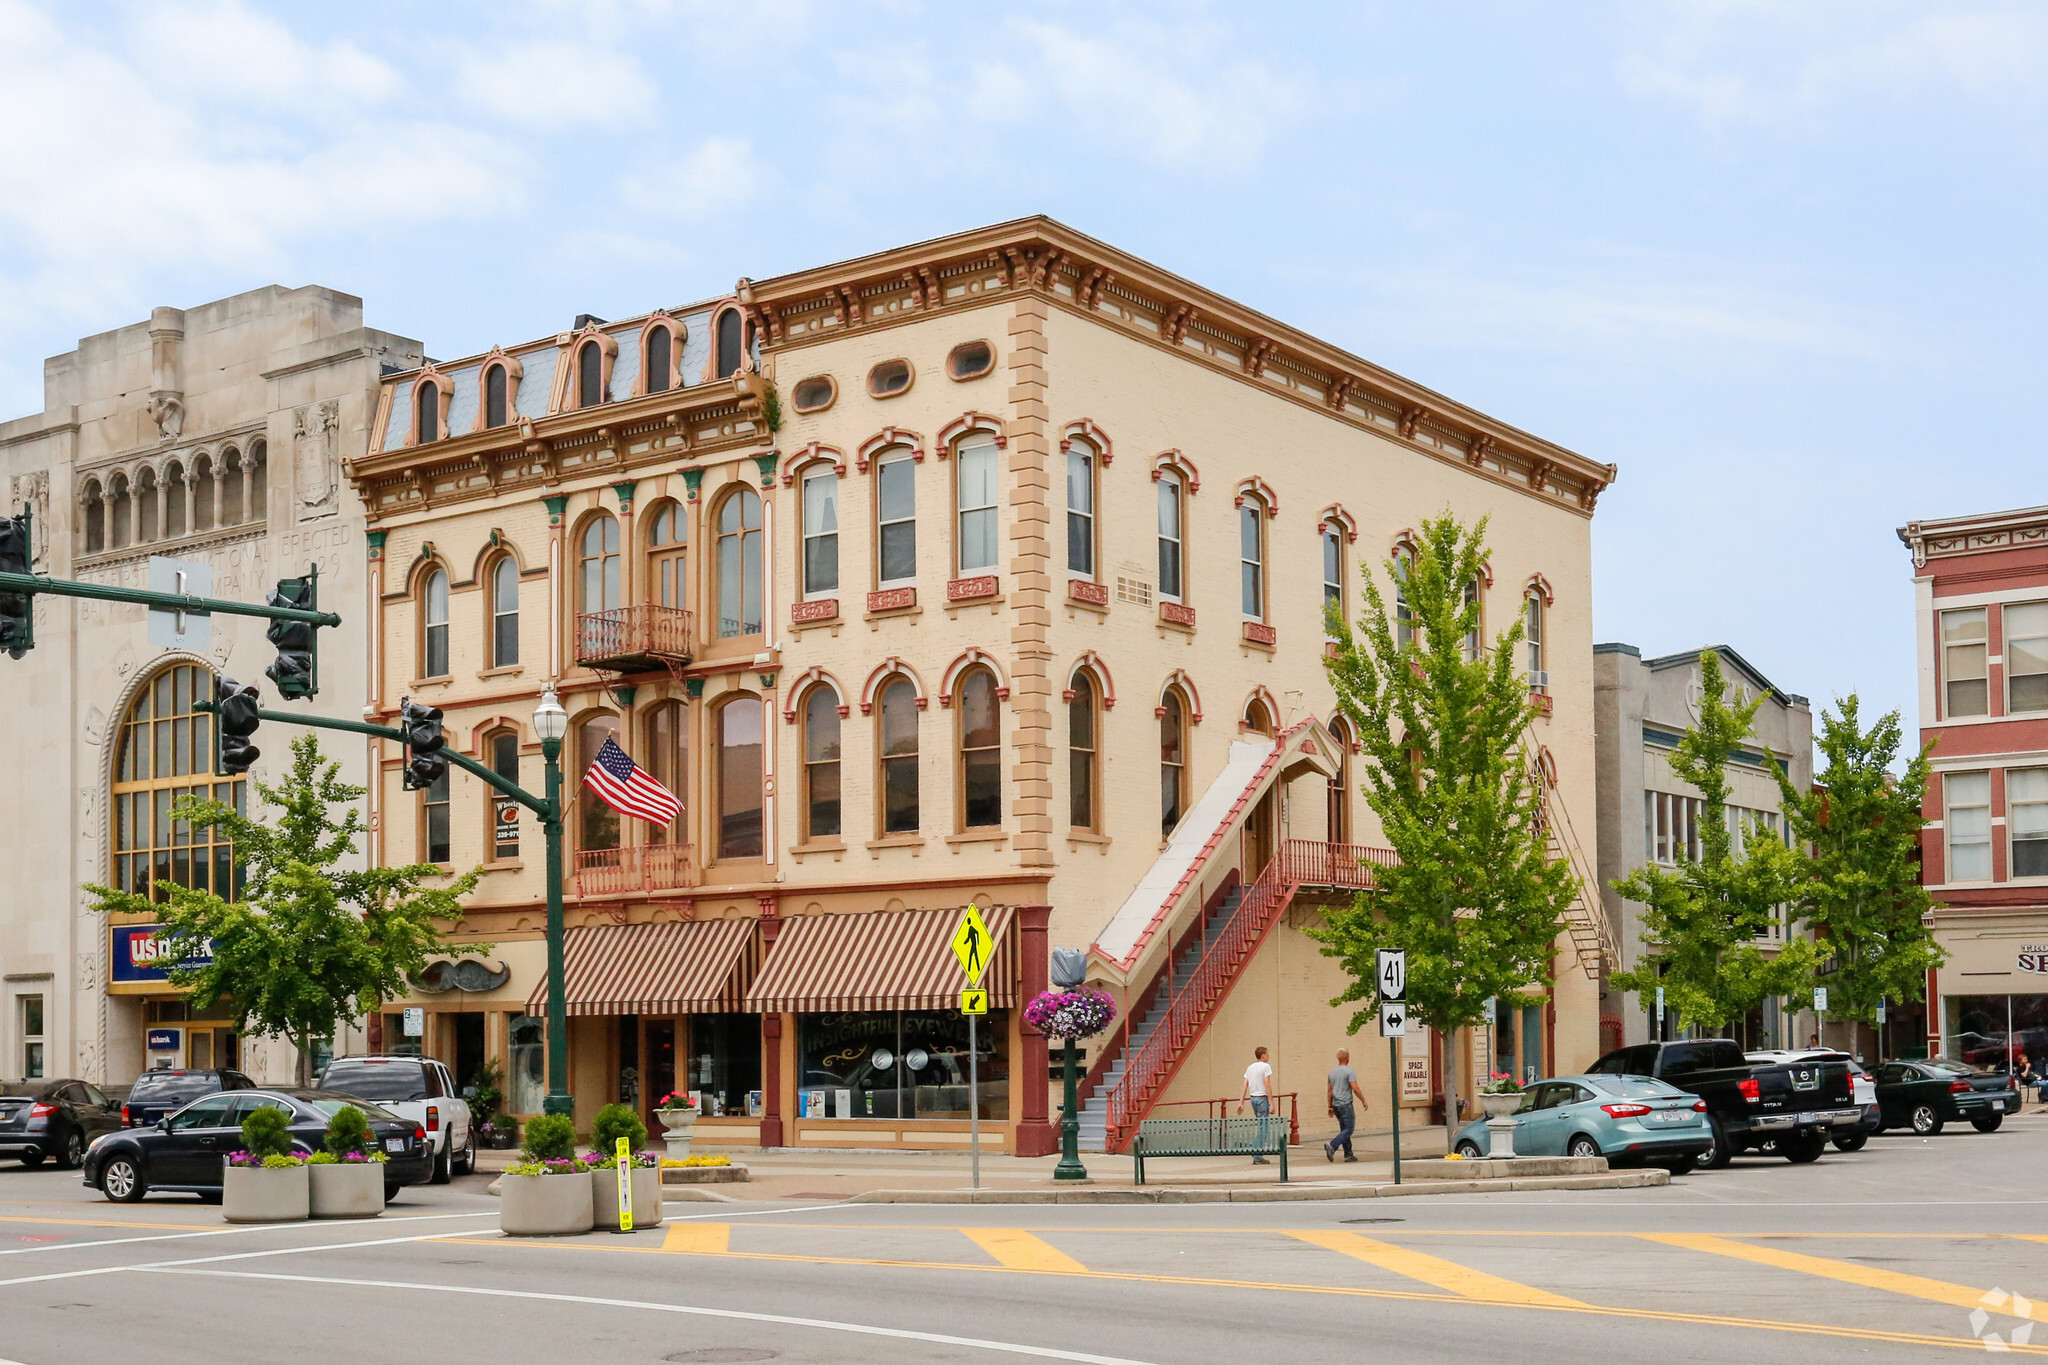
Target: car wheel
<point>32,1159</point>
<point>1851,1143</point>
<point>469,1153</point>
<point>121,1182</point>
<point>1988,1125</point>
<point>441,1164</point>
<point>1716,1155</point>
<point>391,1191</point>
<point>1925,1121</point>
<point>1581,1146</point>
<point>1799,1151</point>
<point>1469,1150</point>
<point>1683,1166</point>
<point>74,1150</point>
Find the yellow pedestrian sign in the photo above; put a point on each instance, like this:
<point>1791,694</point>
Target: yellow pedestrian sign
<point>974,1002</point>
<point>971,944</point>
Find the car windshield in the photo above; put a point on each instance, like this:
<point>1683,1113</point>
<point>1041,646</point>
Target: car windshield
<point>329,1105</point>
<point>158,1088</point>
<point>1636,1087</point>
<point>376,1081</point>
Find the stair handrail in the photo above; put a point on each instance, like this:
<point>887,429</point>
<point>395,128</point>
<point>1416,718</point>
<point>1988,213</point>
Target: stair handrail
<point>1567,840</point>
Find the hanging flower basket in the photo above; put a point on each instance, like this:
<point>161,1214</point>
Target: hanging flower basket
<point>1071,1014</point>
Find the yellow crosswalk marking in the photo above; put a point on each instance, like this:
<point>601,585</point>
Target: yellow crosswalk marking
<point>1017,1249</point>
<point>703,1238</point>
<point>1416,1265</point>
<point>1871,1277</point>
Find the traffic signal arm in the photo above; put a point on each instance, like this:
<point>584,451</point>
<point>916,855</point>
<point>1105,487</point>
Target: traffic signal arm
<point>162,601</point>
<point>539,806</point>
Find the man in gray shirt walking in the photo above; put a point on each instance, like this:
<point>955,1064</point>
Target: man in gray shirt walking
<point>1343,1090</point>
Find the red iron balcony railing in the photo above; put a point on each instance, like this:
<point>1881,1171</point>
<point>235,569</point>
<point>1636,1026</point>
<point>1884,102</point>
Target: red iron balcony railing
<point>629,639</point>
<point>1310,862</point>
<point>619,871</point>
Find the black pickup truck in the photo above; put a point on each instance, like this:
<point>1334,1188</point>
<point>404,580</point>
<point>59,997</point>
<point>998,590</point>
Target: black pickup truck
<point>1788,1108</point>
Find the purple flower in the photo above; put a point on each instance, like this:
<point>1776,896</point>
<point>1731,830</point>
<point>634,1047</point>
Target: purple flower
<point>1071,1014</point>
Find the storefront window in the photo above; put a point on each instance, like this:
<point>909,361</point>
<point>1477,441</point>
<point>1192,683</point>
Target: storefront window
<point>724,1063</point>
<point>1986,1030</point>
<point>1518,1039</point>
<point>526,1071</point>
<point>900,1065</point>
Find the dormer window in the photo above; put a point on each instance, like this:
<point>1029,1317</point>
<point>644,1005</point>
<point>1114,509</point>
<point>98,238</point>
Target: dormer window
<point>589,375</point>
<point>731,343</point>
<point>496,406</point>
<point>426,404</point>
<point>660,360</point>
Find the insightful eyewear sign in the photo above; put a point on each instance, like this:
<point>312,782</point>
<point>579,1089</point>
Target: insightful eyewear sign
<point>139,955</point>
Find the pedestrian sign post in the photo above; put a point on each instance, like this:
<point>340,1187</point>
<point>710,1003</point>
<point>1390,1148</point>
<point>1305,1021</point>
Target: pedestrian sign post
<point>973,946</point>
<point>1390,975</point>
<point>625,1175</point>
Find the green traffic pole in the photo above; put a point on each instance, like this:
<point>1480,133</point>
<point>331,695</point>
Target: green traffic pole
<point>1070,1167</point>
<point>558,1099</point>
<point>161,601</point>
<point>1394,1076</point>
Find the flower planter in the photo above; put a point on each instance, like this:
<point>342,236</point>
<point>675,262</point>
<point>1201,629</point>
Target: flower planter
<point>1500,1106</point>
<point>545,1205</point>
<point>676,1127</point>
<point>251,1194</point>
<point>347,1189</point>
<point>604,1198</point>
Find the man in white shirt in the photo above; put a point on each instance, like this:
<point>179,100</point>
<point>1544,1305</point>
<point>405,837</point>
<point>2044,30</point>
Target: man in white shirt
<point>1258,1091</point>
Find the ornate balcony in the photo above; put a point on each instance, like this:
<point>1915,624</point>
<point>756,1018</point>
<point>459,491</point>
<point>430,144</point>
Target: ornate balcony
<point>633,639</point>
<point>622,871</point>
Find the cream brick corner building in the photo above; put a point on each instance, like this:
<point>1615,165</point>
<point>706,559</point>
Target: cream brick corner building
<point>989,569</point>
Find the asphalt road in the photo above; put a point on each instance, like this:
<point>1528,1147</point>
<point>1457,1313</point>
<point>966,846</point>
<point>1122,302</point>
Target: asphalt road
<point>1881,1255</point>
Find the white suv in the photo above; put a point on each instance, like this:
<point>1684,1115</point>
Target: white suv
<point>416,1088</point>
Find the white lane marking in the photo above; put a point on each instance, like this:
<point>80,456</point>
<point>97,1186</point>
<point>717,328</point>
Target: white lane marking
<point>216,1232</point>
<point>779,1319</point>
<point>229,1256</point>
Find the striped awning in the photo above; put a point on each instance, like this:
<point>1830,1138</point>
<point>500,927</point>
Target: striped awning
<point>687,967</point>
<point>880,960</point>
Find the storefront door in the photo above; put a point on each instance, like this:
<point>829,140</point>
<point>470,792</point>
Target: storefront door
<point>660,1070</point>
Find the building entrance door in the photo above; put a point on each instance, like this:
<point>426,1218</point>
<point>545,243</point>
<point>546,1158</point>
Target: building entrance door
<point>660,1070</point>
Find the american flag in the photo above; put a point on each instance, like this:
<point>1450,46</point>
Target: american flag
<point>626,788</point>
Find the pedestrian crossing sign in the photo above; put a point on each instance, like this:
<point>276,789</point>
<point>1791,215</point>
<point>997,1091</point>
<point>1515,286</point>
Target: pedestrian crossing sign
<point>974,1002</point>
<point>971,944</point>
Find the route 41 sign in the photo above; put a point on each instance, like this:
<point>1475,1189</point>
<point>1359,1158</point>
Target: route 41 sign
<point>1392,974</point>
<point>1393,1020</point>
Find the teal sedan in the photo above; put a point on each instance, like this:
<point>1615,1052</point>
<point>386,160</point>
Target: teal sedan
<point>1630,1120</point>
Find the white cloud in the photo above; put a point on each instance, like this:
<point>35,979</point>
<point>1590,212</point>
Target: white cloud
<point>716,177</point>
<point>546,82</point>
<point>221,52</point>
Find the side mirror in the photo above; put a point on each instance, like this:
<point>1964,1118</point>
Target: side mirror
<point>163,1125</point>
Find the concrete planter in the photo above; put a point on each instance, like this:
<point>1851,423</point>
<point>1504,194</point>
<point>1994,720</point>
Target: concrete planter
<point>676,1127</point>
<point>347,1189</point>
<point>604,1198</point>
<point>250,1194</point>
<point>545,1205</point>
<point>1500,1106</point>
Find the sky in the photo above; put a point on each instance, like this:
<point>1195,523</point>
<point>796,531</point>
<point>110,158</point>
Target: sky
<point>1780,263</point>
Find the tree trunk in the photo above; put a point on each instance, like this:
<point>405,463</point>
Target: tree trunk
<point>302,1066</point>
<point>1450,1039</point>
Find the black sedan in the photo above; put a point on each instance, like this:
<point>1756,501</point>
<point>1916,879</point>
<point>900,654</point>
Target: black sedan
<point>1923,1096</point>
<point>187,1151</point>
<point>44,1119</point>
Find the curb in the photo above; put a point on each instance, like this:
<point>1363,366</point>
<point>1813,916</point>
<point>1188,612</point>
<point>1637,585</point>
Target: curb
<point>1268,1194</point>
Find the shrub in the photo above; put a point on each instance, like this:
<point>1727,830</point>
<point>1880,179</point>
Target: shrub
<point>550,1137</point>
<point>561,1165</point>
<point>616,1121</point>
<point>348,1131</point>
<point>267,1133</point>
<point>489,1098</point>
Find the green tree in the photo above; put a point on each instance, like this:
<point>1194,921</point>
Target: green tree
<point>1860,885</point>
<point>1473,900</point>
<point>310,943</point>
<point>1701,920</point>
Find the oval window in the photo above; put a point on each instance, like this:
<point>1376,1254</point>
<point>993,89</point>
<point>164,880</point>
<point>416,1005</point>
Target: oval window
<point>814,394</point>
<point>889,378</point>
<point>971,360</point>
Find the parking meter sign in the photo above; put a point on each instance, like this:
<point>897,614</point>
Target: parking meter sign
<point>1392,974</point>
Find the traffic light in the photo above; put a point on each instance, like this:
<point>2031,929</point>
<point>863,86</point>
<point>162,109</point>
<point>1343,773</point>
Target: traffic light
<point>297,668</point>
<point>17,622</point>
<point>234,721</point>
<point>424,762</point>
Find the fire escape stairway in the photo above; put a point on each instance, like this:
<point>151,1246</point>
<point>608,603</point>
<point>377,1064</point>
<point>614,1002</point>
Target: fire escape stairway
<point>1585,918</point>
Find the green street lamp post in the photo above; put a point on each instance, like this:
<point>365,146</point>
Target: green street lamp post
<point>551,724</point>
<point>1070,1167</point>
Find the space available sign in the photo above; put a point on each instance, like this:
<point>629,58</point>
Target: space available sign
<point>139,955</point>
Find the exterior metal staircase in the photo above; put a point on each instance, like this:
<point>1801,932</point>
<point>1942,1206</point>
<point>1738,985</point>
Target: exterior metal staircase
<point>1585,918</point>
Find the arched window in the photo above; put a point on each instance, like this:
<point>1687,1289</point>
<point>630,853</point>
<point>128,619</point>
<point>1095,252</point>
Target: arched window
<point>739,564</point>
<point>1251,554</point>
<point>821,764</point>
<point>145,506</point>
<point>589,375</point>
<point>496,393</point>
<point>434,625</point>
<point>598,823</point>
<point>1469,646</point>
<point>231,488</point>
<point>1081,509</point>
<point>981,758</point>
<point>660,361</point>
<point>164,751</point>
<point>175,522</point>
<point>1333,572</point>
<point>1337,816</point>
<point>821,532</point>
<point>666,758</point>
<point>1404,615</point>
<point>205,494</point>
<point>666,569</point>
<point>1173,761</point>
<point>1532,632</point>
<point>729,343</point>
<point>426,413</point>
<point>434,822</point>
<point>597,565</point>
<point>1171,557</point>
<point>504,612</point>
<point>255,461</point>
<point>95,519</point>
<point>1081,751</point>
<point>1258,717</point>
<point>739,778</point>
<point>898,748</point>
<point>123,512</point>
<point>501,751</point>
<point>896,520</point>
<point>974,473</point>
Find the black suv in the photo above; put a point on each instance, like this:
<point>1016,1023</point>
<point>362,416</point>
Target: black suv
<point>156,1093</point>
<point>1790,1109</point>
